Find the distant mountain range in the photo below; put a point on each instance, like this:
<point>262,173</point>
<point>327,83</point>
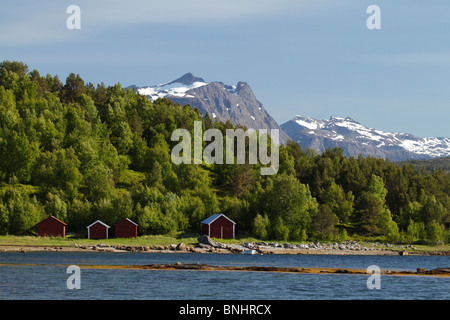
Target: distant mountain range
<point>354,138</point>
<point>238,104</point>
<point>235,103</point>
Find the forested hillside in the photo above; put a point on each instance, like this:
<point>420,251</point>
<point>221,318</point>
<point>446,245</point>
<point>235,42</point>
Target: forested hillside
<point>82,152</point>
<point>429,165</point>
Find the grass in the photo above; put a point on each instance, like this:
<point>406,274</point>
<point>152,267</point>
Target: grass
<point>188,239</point>
<point>146,240</point>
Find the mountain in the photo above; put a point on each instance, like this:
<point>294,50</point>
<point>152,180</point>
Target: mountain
<point>354,138</point>
<point>221,101</point>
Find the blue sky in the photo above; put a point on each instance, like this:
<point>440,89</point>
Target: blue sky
<point>309,57</point>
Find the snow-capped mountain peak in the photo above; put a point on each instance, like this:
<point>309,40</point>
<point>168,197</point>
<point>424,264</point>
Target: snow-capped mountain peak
<point>176,88</point>
<point>355,138</point>
<point>222,102</point>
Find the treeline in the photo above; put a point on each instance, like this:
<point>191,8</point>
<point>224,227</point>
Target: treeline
<point>82,152</point>
<point>430,165</point>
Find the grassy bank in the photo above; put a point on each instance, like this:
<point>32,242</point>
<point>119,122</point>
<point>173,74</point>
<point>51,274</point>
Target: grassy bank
<point>71,241</point>
<point>147,240</point>
<point>163,240</point>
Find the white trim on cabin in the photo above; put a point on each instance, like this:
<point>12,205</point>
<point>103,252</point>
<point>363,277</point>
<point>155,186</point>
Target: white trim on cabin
<point>89,228</point>
<point>131,222</point>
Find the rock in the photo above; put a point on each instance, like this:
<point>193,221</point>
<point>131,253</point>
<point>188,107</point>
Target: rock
<point>248,245</point>
<point>341,271</point>
<point>204,239</point>
<point>220,245</point>
<point>181,247</point>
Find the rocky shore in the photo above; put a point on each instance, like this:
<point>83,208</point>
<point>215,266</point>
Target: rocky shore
<point>207,245</point>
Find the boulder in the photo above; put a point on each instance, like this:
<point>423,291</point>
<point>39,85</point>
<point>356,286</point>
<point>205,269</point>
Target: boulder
<point>204,239</point>
<point>181,247</point>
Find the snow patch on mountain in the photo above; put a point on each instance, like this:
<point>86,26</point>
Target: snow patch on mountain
<point>356,139</point>
<point>177,88</point>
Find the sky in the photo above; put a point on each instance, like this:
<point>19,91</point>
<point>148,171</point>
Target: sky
<point>314,58</point>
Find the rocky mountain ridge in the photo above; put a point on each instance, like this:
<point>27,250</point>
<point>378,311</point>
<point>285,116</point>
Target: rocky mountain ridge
<point>223,102</point>
<point>355,138</point>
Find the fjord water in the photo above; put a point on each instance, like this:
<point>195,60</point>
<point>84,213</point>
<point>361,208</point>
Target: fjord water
<point>42,275</point>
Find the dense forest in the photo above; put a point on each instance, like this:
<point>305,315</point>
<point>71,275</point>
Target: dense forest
<point>431,164</point>
<point>82,152</point>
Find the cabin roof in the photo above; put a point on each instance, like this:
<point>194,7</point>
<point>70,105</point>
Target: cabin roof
<point>98,221</point>
<point>214,217</point>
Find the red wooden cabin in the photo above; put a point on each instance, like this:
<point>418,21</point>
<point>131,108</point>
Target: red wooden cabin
<point>126,229</point>
<point>97,230</point>
<point>219,226</point>
<point>51,227</point>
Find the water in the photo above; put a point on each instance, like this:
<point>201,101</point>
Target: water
<point>46,278</point>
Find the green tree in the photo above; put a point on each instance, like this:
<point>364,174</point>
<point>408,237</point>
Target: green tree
<point>17,155</point>
<point>261,226</point>
<point>4,218</point>
<point>17,67</point>
<point>412,232</point>
<point>324,224</point>
<point>79,215</point>
<point>56,207</point>
<point>434,232</point>
<point>338,201</point>
<point>289,204</point>
<point>24,211</point>
<point>73,89</point>
<point>9,115</point>
<point>279,230</point>
<point>368,213</point>
<point>99,183</point>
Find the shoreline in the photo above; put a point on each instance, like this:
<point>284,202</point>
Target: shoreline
<point>192,249</point>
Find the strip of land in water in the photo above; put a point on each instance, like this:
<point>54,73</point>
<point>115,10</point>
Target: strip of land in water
<point>440,272</point>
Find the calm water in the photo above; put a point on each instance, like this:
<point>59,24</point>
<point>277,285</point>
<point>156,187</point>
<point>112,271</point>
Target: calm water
<point>46,278</point>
